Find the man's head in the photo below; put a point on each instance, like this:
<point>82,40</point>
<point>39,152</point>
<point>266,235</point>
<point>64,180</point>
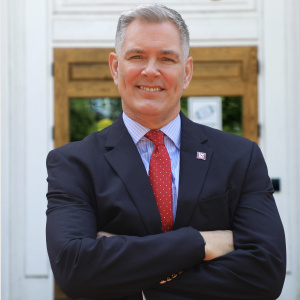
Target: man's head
<point>152,13</point>
<point>151,68</point>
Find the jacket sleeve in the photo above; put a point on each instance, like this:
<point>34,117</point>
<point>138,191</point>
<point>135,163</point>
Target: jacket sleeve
<point>114,267</point>
<point>256,269</point>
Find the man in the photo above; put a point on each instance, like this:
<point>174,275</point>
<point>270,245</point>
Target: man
<point>209,230</point>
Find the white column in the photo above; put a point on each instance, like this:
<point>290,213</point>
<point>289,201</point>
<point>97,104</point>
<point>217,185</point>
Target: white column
<point>279,121</point>
<point>5,228</point>
<point>26,128</point>
<point>13,121</point>
<point>292,102</point>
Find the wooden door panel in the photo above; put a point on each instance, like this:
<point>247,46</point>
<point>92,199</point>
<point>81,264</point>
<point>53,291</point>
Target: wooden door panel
<point>218,71</point>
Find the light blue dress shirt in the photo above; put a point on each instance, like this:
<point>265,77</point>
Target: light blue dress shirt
<point>145,147</point>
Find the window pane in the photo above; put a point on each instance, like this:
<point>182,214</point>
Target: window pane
<point>232,115</point>
<point>90,115</point>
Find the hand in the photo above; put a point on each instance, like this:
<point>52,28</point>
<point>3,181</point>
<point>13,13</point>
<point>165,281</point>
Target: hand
<point>218,243</point>
<point>103,233</point>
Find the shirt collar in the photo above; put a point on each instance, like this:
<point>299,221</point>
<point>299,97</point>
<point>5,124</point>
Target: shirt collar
<point>137,130</point>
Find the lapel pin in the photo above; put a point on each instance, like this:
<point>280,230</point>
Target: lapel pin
<point>201,155</point>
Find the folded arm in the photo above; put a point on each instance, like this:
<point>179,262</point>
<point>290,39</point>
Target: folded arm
<point>217,243</point>
<point>117,266</point>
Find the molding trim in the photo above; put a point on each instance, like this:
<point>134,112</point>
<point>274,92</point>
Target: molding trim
<point>100,32</point>
<point>191,6</point>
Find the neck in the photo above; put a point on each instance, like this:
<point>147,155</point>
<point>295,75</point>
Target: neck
<point>152,123</point>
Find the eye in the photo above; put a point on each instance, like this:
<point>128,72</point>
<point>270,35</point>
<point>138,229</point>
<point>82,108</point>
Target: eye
<point>168,59</point>
<point>136,57</point>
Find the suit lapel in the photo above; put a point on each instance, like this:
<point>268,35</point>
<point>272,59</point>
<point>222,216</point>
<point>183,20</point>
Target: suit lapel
<point>125,159</point>
<point>192,170</point>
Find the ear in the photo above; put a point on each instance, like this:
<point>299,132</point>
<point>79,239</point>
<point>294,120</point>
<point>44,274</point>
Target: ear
<point>188,73</point>
<point>113,65</point>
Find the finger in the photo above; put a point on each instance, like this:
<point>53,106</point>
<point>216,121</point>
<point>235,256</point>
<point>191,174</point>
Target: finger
<point>104,233</point>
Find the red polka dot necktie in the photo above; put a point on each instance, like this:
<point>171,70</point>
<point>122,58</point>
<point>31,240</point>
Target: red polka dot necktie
<point>160,177</point>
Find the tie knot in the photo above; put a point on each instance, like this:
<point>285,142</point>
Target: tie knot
<point>156,136</point>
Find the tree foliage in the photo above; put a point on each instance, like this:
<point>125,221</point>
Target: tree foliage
<point>232,115</point>
<point>90,115</point>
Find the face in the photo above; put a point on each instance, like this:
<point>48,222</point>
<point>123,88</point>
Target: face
<point>151,73</point>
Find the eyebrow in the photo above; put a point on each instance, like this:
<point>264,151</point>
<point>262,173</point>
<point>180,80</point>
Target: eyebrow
<point>170,52</point>
<point>162,52</point>
<point>134,50</point>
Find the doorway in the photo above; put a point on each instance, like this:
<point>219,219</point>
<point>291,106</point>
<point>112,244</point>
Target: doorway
<point>83,88</point>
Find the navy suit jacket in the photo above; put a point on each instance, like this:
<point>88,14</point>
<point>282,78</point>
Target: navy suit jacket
<point>100,184</point>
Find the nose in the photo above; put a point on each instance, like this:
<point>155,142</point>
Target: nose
<point>150,70</point>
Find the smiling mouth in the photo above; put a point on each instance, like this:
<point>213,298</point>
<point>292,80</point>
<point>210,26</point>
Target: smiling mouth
<point>147,89</point>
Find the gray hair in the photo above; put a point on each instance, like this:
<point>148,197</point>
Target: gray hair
<point>152,13</point>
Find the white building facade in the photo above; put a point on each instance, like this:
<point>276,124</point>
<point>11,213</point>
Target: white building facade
<point>31,29</point>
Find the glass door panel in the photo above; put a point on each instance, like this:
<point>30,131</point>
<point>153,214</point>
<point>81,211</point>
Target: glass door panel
<point>88,115</point>
<point>232,120</point>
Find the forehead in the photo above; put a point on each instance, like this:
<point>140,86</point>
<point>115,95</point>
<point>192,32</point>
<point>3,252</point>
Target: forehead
<point>146,34</point>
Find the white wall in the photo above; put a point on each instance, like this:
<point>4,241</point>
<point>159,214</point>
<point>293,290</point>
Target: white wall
<point>32,28</point>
